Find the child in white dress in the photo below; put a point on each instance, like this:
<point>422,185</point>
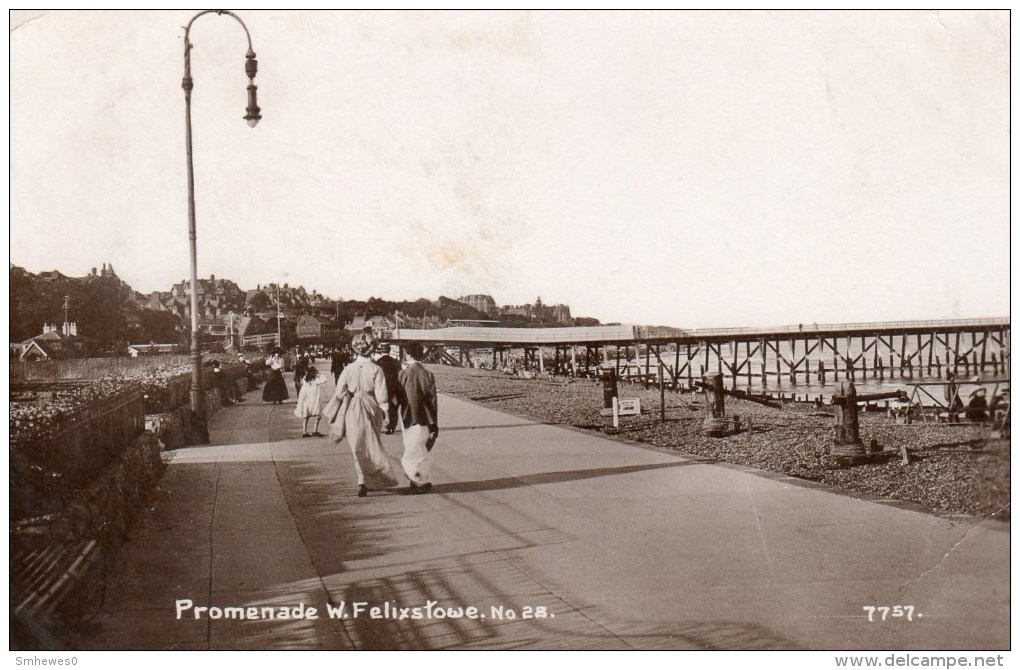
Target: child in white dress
<point>309,402</point>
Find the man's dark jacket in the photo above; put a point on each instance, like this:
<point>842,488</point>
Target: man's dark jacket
<point>417,397</point>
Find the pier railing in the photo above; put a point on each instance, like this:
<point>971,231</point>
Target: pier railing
<point>858,326</point>
<point>486,336</point>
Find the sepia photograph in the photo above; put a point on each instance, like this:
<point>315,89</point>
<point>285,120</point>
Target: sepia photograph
<point>446,330</point>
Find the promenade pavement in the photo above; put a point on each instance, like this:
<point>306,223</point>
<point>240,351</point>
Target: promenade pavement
<point>619,546</point>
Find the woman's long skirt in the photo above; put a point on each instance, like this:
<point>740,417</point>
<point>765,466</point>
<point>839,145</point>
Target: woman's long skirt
<point>417,459</point>
<point>276,388</point>
<point>363,423</point>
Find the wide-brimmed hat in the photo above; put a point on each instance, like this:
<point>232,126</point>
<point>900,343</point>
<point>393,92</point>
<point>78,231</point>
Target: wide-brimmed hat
<point>363,343</point>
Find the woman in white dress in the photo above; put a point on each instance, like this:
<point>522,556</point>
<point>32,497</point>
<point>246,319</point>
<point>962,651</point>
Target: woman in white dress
<point>309,402</point>
<point>365,384</point>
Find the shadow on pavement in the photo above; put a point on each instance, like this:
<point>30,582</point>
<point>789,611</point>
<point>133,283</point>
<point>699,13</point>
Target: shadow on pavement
<point>550,478</point>
<point>446,429</point>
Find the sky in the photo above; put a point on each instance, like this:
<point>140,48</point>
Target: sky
<point>692,169</point>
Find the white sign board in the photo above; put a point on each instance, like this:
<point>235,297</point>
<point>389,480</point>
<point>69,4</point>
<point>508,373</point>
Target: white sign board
<point>630,406</point>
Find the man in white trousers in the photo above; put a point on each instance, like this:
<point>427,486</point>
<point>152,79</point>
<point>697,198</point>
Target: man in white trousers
<point>419,418</point>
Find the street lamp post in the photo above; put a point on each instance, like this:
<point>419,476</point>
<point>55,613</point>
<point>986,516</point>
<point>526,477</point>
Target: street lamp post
<point>279,331</point>
<point>252,117</point>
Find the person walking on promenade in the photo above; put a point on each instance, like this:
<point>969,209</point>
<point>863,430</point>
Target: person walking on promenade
<point>300,368</point>
<point>338,362</point>
<point>275,390</point>
<point>419,415</point>
<point>391,371</point>
<point>309,402</point>
<point>363,398</point>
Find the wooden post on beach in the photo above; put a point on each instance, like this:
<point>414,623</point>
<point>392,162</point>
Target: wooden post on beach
<point>714,424</point>
<point>676,366</point>
<point>662,394</point>
<point>718,407</point>
<point>847,428</point>
<point>573,360</point>
<point>956,354</point>
<point>648,362</point>
<point>608,388</point>
<point>541,360</point>
<point>690,372</point>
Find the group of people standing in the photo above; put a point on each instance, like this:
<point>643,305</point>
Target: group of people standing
<point>371,397</point>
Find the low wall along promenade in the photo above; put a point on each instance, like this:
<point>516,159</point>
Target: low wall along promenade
<point>84,455</point>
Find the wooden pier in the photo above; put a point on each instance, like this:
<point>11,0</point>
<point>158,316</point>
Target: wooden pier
<point>789,354</point>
